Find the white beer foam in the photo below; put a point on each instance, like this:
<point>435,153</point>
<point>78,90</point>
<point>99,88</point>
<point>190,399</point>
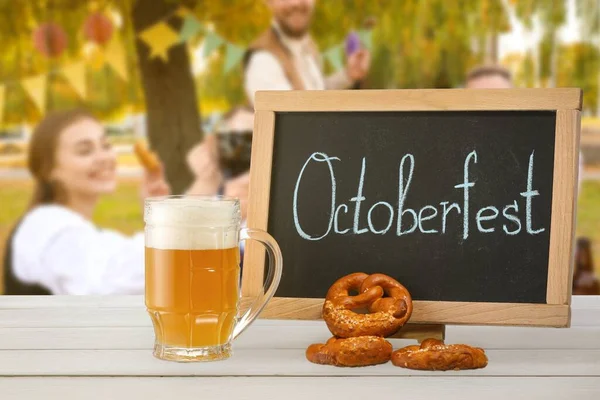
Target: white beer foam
<point>192,224</point>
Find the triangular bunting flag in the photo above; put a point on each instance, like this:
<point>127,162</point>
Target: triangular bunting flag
<point>190,27</point>
<point>366,38</point>
<point>94,55</point>
<point>75,74</point>
<point>115,57</point>
<point>211,42</point>
<point>335,57</point>
<point>160,38</point>
<point>2,95</point>
<point>36,89</point>
<point>232,57</point>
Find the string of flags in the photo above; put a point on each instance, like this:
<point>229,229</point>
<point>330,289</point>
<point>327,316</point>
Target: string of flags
<point>159,38</point>
<point>103,48</point>
<point>36,86</point>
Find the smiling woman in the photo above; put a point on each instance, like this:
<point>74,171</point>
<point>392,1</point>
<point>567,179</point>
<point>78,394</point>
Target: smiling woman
<point>55,248</point>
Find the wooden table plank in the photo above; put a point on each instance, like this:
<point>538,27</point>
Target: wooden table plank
<point>137,301</point>
<point>73,317</point>
<point>108,311</point>
<point>63,301</point>
<point>279,362</point>
<point>96,347</point>
<point>295,388</point>
<point>267,335</point>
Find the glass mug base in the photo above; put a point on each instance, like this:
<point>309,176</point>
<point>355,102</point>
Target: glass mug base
<point>192,354</point>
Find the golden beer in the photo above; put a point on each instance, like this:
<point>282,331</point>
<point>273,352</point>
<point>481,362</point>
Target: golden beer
<point>192,295</point>
<point>193,275</point>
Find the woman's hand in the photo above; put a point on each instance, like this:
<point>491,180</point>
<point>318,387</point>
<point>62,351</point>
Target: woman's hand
<point>155,184</point>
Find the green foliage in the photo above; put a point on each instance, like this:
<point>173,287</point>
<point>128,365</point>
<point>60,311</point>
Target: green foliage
<point>108,95</point>
<point>589,12</point>
<point>121,210</point>
<point>578,66</point>
<point>588,215</point>
<point>238,21</point>
<point>215,87</point>
<point>525,76</point>
<point>416,44</point>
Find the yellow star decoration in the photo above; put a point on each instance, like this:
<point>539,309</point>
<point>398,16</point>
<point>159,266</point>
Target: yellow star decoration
<point>160,38</point>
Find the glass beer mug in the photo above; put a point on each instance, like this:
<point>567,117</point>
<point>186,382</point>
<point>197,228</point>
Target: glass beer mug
<point>193,275</point>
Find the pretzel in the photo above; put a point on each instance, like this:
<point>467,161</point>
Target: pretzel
<point>147,158</point>
<point>399,304</point>
<point>387,314</point>
<point>434,355</point>
<point>351,352</point>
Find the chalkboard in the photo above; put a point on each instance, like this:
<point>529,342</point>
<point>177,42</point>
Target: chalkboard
<point>502,259</point>
<point>467,197</point>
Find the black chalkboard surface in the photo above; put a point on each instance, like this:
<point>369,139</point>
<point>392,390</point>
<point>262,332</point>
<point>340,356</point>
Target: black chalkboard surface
<point>466,196</point>
<point>455,205</point>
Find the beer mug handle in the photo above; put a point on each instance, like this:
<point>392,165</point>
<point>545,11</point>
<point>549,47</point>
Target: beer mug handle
<point>273,276</point>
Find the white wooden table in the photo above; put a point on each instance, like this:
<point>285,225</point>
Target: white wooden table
<point>100,348</point>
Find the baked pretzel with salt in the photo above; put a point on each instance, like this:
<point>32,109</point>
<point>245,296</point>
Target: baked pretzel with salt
<point>351,352</point>
<point>386,314</point>
<point>434,355</point>
<point>147,158</point>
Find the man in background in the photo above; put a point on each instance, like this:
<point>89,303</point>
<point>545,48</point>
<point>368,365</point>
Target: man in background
<point>489,77</point>
<point>285,56</point>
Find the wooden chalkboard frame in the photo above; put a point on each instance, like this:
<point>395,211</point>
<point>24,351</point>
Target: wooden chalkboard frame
<point>567,104</point>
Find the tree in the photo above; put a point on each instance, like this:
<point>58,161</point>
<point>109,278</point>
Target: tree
<point>551,16</point>
<point>172,117</point>
<point>577,67</point>
<point>433,43</point>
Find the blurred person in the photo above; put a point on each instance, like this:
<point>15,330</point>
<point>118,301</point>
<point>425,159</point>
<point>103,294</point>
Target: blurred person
<point>285,56</point>
<point>219,168</point>
<point>282,58</point>
<point>584,280</point>
<point>55,247</point>
<point>489,77</point>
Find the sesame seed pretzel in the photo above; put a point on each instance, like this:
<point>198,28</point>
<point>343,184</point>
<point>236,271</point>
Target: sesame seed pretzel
<point>386,314</point>
<point>434,355</point>
<point>351,352</point>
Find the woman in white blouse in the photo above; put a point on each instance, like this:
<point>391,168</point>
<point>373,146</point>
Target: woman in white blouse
<point>56,248</point>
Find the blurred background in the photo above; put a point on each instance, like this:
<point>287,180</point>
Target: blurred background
<point>156,69</point>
